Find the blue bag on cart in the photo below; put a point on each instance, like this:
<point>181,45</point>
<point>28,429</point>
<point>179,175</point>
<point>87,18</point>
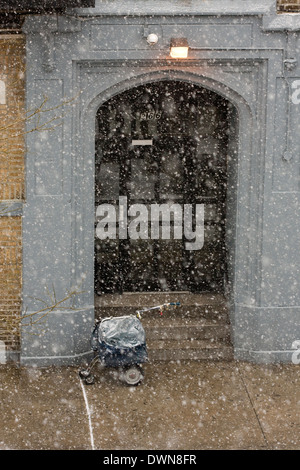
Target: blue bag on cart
<point>120,341</point>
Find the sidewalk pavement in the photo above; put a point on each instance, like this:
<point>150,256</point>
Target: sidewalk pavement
<point>179,406</point>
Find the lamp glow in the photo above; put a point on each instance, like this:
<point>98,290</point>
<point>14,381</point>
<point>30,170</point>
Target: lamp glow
<point>179,48</point>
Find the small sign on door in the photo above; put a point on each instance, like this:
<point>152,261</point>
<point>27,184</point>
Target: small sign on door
<point>142,142</point>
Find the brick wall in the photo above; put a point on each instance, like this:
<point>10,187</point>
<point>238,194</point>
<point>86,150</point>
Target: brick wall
<point>288,5</point>
<point>12,68</point>
<point>11,118</point>
<point>10,280</point>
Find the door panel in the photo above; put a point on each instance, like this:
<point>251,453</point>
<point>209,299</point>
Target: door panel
<point>171,276</point>
<point>138,269</point>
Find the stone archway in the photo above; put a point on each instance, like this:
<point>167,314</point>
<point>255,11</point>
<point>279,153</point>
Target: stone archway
<point>74,213</point>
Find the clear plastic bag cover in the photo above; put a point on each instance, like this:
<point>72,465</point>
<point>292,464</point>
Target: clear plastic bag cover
<point>122,332</point>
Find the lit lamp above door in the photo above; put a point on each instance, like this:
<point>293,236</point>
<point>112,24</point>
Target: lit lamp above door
<point>179,48</point>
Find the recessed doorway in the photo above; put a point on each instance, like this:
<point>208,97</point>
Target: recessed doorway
<point>162,144</point>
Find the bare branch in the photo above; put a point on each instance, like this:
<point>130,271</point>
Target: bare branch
<point>37,112</point>
<point>39,315</point>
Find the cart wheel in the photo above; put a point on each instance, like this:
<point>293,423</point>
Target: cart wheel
<point>90,379</point>
<point>132,375</point>
<point>83,374</point>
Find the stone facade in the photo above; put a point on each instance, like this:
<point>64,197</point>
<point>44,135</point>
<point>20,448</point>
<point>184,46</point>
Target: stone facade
<point>248,54</point>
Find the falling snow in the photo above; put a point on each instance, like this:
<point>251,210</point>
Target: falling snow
<point>151,301</point>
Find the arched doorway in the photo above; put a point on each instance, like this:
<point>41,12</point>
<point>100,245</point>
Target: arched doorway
<point>162,145</point>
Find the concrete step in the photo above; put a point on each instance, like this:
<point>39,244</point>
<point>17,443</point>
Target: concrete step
<point>198,329</point>
<point>156,298</point>
<point>195,350</point>
<point>212,306</point>
<point>203,329</point>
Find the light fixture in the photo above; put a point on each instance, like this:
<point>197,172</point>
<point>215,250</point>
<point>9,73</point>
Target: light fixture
<point>179,48</point>
<point>152,39</point>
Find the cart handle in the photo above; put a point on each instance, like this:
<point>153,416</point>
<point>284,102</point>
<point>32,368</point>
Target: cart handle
<point>160,307</point>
